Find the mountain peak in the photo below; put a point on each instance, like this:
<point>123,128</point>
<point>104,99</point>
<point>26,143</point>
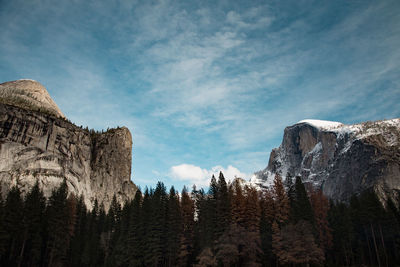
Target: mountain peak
<point>30,95</point>
<point>340,159</point>
<point>321,124</point>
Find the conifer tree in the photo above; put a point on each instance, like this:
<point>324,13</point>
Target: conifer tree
<point>80,234</point>
<point>281,201</point>
<point>59,228</point>
<point>206,258</point>
<point>187,238</point>
<point>238,204</point>
<point>135,234</point>
<point>174,228</point>
<point>147,222</point>
<point>157,231</point>
<point>34,208</point>
<point>13,224</point>
<point>295,244</point>
<point>300,205</point>
<point>342,234</point>
<point>223,206</point>
<point>320,206</point>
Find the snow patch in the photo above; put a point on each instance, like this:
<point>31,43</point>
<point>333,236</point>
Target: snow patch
<point>321,124</point>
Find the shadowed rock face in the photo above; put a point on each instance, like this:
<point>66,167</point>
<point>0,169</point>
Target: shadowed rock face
<point>342,160</point>
<point>37,146</point>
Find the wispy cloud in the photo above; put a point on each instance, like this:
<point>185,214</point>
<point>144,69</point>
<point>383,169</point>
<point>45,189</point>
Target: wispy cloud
<point>207,83</point>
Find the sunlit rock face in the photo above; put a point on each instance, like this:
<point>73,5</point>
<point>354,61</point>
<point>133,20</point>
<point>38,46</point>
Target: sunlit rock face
<point>340,159</point>
<point>29,94</point>
<point>37,143</point>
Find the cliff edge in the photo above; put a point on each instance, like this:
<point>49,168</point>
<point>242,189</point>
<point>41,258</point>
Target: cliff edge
<point>340,159</point>
<point>37,143</point>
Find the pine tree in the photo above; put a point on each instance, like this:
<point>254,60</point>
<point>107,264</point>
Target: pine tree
<point>13,225</point>
<point>342,234</point>
<point>295,244</point>
<point>300,205</point>
<point>206,258</point>
<point>157,231</point>
<point>34,208</point>
<point>187,239</point>
<point>174,228</point>
<point>320,205</point>
<point>147,222</point>
<point>281,201</point>
<point>135,234</point>
<point>59,226</point>
<point>223,206</point>
<point>80,234</point>
<point>238,204</point>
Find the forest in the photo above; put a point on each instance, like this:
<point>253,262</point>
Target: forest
<point>232,224</point>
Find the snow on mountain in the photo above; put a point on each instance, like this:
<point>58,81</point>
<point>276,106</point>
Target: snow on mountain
<point>325,153</point>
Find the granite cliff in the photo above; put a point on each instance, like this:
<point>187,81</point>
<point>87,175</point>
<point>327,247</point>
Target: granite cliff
<point>340,159</point>
<point>37,143</point>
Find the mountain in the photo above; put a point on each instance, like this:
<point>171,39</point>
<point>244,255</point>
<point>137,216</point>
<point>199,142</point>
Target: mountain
<point>37,143</point>
<point>340,159</point>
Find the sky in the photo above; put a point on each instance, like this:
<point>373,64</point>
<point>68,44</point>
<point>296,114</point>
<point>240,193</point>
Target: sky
<point>206,86</point>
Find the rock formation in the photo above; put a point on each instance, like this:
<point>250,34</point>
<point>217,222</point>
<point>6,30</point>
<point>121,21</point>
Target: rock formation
<point>37,143</point>
<point>340,159</point>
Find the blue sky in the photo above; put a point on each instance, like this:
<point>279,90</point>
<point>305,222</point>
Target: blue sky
<point>206,85</point>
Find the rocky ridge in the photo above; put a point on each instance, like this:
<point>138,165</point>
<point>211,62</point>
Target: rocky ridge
<point>37,143</point>
<point>340,159</point>
<point>29,94</point>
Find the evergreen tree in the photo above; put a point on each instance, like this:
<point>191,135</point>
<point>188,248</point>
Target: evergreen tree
<point>157,230</point>
<point>320,205</point>
<point>295,244</point>
<point>223,206</point>
<point>147,222</point>
<point>135,234</point>
<point>187,239</point>
<point>281,201</point>
<point>342,234</point>
<point>60,226</point>
<point>174,229</point>
<point>206,258</point>
<point>13,223</point>
<point>300,205</point>
<point>34,208</point>
<point>80,234</point>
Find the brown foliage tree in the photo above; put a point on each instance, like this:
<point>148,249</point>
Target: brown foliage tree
<point>320,206</point>
<point>295,244</point>
<point>281,201</point>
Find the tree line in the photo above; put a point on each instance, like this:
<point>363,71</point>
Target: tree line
<point>229,225</point>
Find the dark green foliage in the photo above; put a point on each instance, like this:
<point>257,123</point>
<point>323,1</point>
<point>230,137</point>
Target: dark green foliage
<point>34,208</point>
<point>59,227</point>
<point>230,225</point>
<point>12,236</point>
<point>80,235</point>
<point>174,227</point>
<point>135,233</point>
<point>223,208</point>
<point>300,203</point>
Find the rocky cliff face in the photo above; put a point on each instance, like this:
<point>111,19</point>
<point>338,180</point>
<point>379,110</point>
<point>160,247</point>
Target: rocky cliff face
<point>340,159</point>
<point>29,94</point>
<point>44,147</point>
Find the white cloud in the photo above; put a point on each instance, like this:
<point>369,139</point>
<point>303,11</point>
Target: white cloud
<point>201,177</point>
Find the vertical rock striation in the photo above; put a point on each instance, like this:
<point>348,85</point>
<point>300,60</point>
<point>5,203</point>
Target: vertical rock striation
<point>340,159</point>
<point>45,147</point>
